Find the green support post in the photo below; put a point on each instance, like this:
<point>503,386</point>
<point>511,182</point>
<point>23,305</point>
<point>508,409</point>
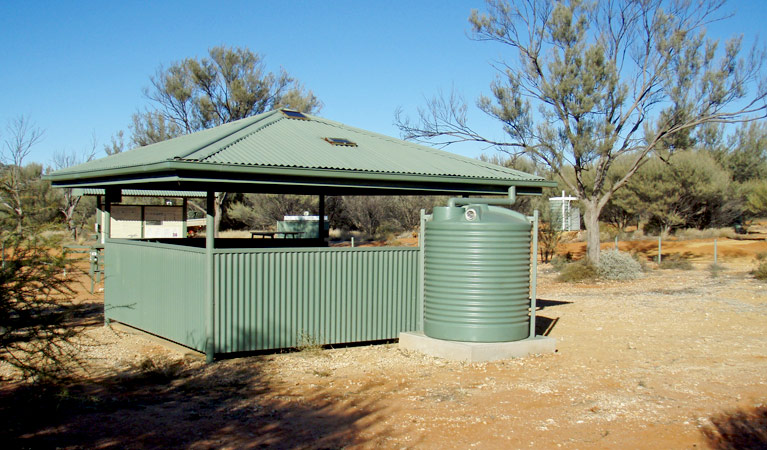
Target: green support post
<point>109,197</point>
<point>321,223</point>
<point>210,309</point>
<point>421,242</point>
<point>534,276</point>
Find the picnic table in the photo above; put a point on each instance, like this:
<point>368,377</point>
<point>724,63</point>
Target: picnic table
<point>271,234</point>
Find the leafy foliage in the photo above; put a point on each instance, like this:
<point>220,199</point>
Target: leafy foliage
<point>760,272</point>
<point>756,197</point>
<point>25,198</point>
<point>688,190</point>
<point>610,80</point>
<point>264,210</point>
<point>615,265</point>
<point>199,93</point>
<point>35,305</point>
<point>581,270</point>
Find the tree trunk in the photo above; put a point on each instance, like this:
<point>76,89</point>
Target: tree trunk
<point>591,221</point>
<point>218,206</point>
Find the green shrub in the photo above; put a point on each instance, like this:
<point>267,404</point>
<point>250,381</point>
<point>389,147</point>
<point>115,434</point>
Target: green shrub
<point>715,270</point>
<point>309,343</point>
<point>641,260</point>
<point>615,265</point>
<point>760,273</point>
<point>577,271</point>
<point>558,262</point>
<point>675,261</point>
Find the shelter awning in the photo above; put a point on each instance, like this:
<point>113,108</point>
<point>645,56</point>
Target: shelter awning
<point>79,192</point>
<point>283,151</point>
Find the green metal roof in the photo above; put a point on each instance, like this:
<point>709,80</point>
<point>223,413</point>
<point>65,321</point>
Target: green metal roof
<point>79,192</point>
<point>271,149</point>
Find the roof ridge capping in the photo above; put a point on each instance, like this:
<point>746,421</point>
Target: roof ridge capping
<point>248,122</point>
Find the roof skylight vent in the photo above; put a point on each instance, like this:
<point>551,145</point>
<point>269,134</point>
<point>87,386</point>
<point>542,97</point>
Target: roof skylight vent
<point>341,142</point>
<point>290,114</point>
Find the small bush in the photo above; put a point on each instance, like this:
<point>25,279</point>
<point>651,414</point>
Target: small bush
<point>308,343</point>
<point>615,265</point>
<point>675,261</point>
<point>760,273</point>
<point>641,260</point>
<point>558,262</point>
<point>577,271</point>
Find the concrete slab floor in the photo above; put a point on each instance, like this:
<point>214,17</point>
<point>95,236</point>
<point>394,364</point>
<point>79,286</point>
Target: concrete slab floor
<point>475,351</point>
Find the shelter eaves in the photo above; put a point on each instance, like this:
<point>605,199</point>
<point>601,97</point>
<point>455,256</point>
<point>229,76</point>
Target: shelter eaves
<point>273,152</point>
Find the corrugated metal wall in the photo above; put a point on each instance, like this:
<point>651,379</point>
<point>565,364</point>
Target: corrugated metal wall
<point>157,288</point>
<point>266,298</point>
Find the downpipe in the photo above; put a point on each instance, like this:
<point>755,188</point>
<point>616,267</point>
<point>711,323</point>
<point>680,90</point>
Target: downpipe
<point>508,201</point>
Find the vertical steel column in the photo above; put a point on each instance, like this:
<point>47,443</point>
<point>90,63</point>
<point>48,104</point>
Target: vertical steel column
<point>184,210</point>
<point>99,219</point>
<point>534,275</point>
<point>210,308</point>
<point>421,270</point>
<point>110,195</point>
<point>321,222</point>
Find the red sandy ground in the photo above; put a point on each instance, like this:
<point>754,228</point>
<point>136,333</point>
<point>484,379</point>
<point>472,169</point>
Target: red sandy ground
<point>676,359</point>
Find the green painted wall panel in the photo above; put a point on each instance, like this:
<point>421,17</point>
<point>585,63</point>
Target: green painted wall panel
<point>336,295</point>
<point>157,288</point>
<point>264,298</point>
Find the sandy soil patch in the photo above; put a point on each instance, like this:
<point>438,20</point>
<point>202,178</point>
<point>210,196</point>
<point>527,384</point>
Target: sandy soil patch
<point>653,363</point>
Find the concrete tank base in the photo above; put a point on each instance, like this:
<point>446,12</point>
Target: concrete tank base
<point>475,351</point>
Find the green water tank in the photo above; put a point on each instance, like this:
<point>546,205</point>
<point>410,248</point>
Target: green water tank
<point>477,274</point>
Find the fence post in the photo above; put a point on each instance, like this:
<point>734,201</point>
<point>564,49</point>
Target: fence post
<point>534,275</point>
<point>659,249</point>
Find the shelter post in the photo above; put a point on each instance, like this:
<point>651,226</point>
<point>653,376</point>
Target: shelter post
<point>184,210</point>
<point>321,223</point>
<point>110,195</point>
<point>99,219</point>
<point>210,211</point>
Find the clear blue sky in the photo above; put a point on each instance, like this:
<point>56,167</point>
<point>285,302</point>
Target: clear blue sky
<point>77,69</point>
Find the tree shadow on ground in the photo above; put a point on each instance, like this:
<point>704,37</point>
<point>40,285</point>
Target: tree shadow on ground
<point>234,404</point>
<point>182,403</point>
<point>742,429</point>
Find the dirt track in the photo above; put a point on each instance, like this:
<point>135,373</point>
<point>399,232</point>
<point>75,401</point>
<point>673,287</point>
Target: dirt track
<point>642,364</point>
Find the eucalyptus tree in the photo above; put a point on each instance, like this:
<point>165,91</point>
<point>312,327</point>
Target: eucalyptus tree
<point>589,82</point>
<point>199,93</point>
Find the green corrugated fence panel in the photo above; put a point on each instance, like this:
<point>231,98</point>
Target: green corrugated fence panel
<point>157,288</point>
<point>266,298</point>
